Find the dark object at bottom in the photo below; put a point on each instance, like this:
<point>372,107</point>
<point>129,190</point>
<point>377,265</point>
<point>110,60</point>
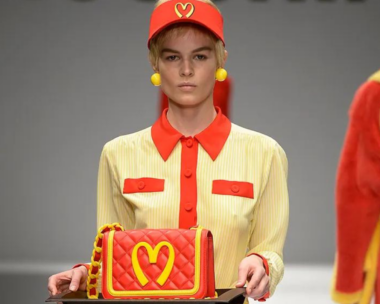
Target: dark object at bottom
<point>231,296</point>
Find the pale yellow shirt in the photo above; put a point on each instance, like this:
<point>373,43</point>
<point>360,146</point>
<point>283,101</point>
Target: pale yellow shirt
<point>239,225</point>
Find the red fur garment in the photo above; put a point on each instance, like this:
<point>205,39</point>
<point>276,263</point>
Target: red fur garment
<point>358,188</point>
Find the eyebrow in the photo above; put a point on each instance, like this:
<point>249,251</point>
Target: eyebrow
<point>203,48</point>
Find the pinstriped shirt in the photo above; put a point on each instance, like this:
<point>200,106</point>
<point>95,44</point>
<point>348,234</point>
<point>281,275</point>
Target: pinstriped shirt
<point>230,180</point>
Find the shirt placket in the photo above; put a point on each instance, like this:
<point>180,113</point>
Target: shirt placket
<point>188,197</point>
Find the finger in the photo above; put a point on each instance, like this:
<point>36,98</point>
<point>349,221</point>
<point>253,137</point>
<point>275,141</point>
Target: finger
<point>64,287</point>
<point>75,279</point>
<point>242,276</point>
<point>52,286</point>
<point>65,290</point>
<point>254,282</point>
<point>263,288</point>
<point>83,285</point>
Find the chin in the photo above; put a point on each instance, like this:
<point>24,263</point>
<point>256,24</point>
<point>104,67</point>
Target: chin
<point>187,102</point>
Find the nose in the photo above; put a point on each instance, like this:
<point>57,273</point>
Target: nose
<point>186,69</point>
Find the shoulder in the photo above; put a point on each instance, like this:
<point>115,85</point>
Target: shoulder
<point>366,100</point>
<point>261,145</point>
<point>127,141</point>
<point>251,137</point>
<point>375,77</point>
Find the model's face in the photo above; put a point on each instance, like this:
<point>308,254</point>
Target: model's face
<point>187,66</point>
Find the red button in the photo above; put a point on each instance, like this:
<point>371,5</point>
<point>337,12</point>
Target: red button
<point>188,207</point>
<point>141,185</point>
<point>188,173</point>
<point>189,143</point>
<point>235,188</point>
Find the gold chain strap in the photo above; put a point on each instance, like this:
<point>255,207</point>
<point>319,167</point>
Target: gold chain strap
<point>93,273</point>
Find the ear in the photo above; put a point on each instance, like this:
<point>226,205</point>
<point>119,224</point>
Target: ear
<point>153,64</point>
<point>225,58</point>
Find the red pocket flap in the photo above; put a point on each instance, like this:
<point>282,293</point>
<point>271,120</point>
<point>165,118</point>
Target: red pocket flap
<point>146,184</point>
<point>243,189</point>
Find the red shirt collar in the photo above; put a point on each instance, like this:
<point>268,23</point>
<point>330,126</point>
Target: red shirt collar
<point>212,139</point>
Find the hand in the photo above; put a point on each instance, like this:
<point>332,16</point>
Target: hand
<point>73,279</point>
<point>252,269</point>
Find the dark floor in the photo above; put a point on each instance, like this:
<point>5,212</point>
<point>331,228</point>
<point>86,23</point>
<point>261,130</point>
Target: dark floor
<point>19,289</point>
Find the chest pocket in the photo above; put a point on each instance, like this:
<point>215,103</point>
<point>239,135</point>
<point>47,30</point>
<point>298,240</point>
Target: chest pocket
<point>224,187</point>
<point>145,184</point>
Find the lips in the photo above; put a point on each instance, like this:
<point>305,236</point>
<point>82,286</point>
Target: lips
<point>187,84</point>
<point>187,87</point>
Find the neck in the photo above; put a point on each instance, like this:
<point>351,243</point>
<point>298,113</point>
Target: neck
<point>191,121</point>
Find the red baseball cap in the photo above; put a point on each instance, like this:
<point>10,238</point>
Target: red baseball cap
<point>193,11</point>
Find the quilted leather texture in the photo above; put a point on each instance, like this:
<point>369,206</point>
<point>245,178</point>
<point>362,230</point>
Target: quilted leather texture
<point>182,274</point>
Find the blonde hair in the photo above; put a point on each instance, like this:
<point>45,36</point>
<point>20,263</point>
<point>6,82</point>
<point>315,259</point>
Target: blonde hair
<point>178,29</point>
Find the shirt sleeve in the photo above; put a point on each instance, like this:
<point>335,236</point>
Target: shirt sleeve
<point>111,205</point>
<point>271,217</point>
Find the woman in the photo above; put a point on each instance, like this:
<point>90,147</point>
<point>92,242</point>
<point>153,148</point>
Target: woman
<point>193,166</point>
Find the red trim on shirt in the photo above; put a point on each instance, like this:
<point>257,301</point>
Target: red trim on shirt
<point>243,189</point>
<point>215,135</point>
<point>164,136</point>
<point>85,265</point>
<point>212,139</point>
<point>188,200</point>
<point>146,184</point>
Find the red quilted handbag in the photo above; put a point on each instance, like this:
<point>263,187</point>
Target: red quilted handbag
<point>153,264</point>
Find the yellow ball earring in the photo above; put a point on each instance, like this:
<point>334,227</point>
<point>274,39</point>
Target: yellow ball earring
<point>221,74</point>
<point>156,79</point>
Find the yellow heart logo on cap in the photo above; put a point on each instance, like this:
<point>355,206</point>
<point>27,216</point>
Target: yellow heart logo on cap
<point>183,8</point>
<point>153,254</point>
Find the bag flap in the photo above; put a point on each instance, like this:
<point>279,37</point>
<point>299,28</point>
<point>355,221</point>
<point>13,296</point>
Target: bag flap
<point>153,262</point>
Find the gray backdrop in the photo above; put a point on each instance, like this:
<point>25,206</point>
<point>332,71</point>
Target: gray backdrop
<point>74,75</point>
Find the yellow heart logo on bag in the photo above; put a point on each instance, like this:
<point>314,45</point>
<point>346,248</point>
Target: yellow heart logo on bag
<point>184,8</point>
<point>153,254</point>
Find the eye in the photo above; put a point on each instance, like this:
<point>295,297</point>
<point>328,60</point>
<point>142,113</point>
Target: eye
<point>172,58</point>
<point>200,57</point>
